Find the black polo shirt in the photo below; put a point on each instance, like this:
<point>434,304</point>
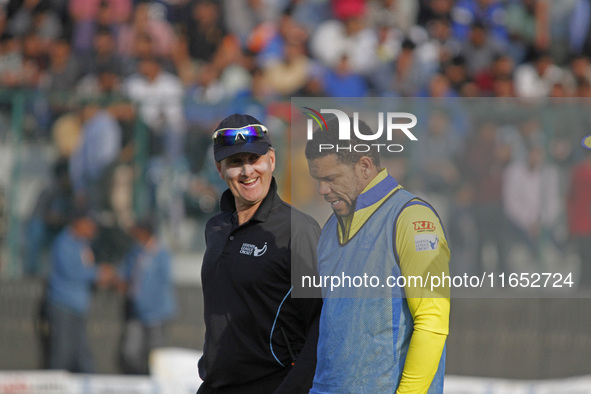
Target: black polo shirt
<point>249,311</point>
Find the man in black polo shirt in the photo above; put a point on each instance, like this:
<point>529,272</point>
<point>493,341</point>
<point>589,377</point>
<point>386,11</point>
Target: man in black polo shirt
<point>258,338</point>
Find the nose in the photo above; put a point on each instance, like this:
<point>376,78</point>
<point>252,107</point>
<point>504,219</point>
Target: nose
<point>247,170</point>
<point>323,188</point>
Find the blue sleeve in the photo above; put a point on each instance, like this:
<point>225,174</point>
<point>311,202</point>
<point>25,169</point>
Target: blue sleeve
<point>67,257</point>
<point>155,300</point>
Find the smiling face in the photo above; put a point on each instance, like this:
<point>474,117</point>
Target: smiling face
<point>339,183</point>
<point>248,176</point>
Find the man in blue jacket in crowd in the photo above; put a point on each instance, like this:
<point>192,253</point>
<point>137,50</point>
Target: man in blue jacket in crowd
<point>150,303</point>
<point>73,274</point>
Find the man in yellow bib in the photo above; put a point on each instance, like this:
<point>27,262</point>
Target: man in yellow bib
<point>371,341</point>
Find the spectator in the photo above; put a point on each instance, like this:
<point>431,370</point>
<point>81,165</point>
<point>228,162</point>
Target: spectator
<point>583,88</point>
<point>159,95</point>
<point>59,80</point>
<point>433,9</point>
<point>528,26</point>
<point>49,217</point>
<point>456,72</point>
<point>99,148</point>
<point>462,233</point>
<point>579,215</point>
<point>105,87</point>
<point>405,77</point>
<point>501,68</point>
<point>469,89</point>
<point>104,84</point>
<point>349,37</point>
<point>490,14</point>
<point>33,15</point>
<point>521,136</point>
<point>11,61</point>
<point>531,199</point>
<point>559,21</point>
<point>273,47</point>
<point>208,89</point>
<point>205,30</point>
<point>441,47</point>
<point>47,24</point>
<point>438,153</point>
<point>150,301</point>
<point>535,79</point>
<point>255,99</point>
<point>103,54</point>
<point>35,61</point>
<point>314,86</point>
<point>64,69</point>
<point>143,47</point>
<point>343,82</point>
<point>388,46</point>
<point>309,14</point>
<point>87,10</point>
<point>92,16</point>
<point>439,86</point>
<point>232,68</point>
<point>581,67</point>
<point>244,18</point>
<point>73,272</point>
<point>66,132</point>
<point>145,22</point>
<point>397,14</point>
<point>290,74</point>
<point>482,163</point>
<point>578,69</point>
<point>480,49</point>
<point>503,87</point>
<point>185,67</point>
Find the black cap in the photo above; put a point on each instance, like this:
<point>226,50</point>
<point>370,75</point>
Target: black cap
<point>236,121</point>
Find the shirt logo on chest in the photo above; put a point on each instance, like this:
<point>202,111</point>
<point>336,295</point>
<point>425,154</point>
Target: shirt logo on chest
<point>252,250</point>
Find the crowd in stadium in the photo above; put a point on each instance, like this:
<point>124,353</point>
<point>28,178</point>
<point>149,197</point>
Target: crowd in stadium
<point>281,48</point>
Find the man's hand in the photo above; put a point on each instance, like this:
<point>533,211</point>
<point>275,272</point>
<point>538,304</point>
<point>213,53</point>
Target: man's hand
<point>106,275</point>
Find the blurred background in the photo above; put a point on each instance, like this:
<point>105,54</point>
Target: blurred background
<point>110,105</point>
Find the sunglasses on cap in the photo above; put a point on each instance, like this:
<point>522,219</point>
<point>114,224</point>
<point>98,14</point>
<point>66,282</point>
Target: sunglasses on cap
<point>232,136</point>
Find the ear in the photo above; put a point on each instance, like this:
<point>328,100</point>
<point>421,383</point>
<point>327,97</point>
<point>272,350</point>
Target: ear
<point>272,159</point>
<point>218,165</point>
<point>365,166</point>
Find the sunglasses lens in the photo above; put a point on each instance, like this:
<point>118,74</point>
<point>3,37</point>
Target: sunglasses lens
<point>250,133</point>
